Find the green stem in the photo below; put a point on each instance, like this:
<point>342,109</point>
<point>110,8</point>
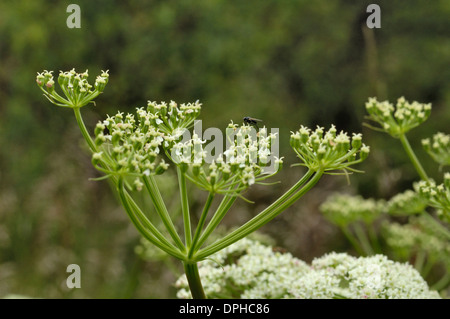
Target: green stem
<point>412,156</point>
<point>442,283</point>
<point>352,240</point>
<point>440,229</point>
<point>83,129</point>
<point>151,234</point>
<point>420,260</point>
<point>223,208</point>
<point>161,209</point>
<point>263,217</point>
<point>427,266</point>
<point>200,224</point>
<point>185,207</point>
<point>362,237</point>
<point>374,238</point>
<point>193,277</point>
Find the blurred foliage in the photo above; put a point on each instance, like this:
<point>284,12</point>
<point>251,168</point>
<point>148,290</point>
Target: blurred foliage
<point>288,62</point>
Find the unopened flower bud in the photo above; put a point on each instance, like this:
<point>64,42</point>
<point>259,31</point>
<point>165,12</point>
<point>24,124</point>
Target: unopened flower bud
<point>365,150</point>
<point>99,128</point>
<point>138,184</point>
<point>162,167</point>
<point>96,158</point>
<point>356,141</point>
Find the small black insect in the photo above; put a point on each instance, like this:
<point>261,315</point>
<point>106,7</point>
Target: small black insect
<point>251,121</point>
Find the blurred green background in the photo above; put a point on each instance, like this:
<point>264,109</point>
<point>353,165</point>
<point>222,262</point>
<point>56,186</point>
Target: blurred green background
<point>288,62</point>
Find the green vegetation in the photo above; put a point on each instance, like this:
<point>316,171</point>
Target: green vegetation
<point>289,63</point>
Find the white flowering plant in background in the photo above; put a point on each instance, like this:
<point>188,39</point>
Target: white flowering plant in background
<point>131,150</point>
<point>250,269</point>
<point>424,240</point>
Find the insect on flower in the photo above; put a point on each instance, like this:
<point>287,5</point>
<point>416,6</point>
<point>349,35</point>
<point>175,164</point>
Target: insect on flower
<point>251,121</point>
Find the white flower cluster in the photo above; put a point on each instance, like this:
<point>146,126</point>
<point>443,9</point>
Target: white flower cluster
<point>171,119</point>
<point>343,209</point>
<point>239,166</point>
<point>398,120</point>
<point>248,269</point>
<point>418,236</point>
<point>374,277</point>
<point>438,148</point>
<point>128,147</point>
<point>406,203</point>
<point>437,196</point>
<point>328,151</point>
<point>75,86</point>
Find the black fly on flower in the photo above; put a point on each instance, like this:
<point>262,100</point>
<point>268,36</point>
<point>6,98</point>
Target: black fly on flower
<point>251,121</point>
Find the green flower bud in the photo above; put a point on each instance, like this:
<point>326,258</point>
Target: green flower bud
<point>212,178</point>
<point>426,144</point>
<point>226,172</point>
<point>356,140</point>
<point>100,139</point>
<point>321,153</point>
<point>40,80</point>
<point>138,185</point>
<point>196,169</point>
<point>162,167</point>
<point>116,136</point>
<point>279,163</point>
<point>50,86</point>
<point>100,83</point>
<point>99,128</point>
<point>365,150</point>
<point>295,140</point>
<point>96,158</point>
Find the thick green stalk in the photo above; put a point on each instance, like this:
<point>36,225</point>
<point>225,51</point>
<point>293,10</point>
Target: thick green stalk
<point>193,277</point>
<point>263,217</point>
<point>143,230</point>
<point>200,224</point>
<point>161,209</point>
<point>185,207</point>
<point>412,156</point>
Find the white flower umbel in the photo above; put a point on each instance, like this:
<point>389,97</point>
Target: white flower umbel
<point>406,203</point>
<point>436,195</point>
<point>328,151</point>
<point>438,148</point>
<point>127,147</point>
<point>397,120</point>
<point>241,165</point>
<point>248,269</point>
<point>75,86</point>
<point>343,209</point>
